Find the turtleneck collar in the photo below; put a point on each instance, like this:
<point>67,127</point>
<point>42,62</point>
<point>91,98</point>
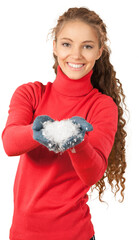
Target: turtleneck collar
<point>72,87</point>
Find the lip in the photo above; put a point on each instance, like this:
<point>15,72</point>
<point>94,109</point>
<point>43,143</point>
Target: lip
<point>76,69</point>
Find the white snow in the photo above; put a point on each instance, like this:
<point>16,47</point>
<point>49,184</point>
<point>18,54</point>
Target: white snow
<point>59,132</point>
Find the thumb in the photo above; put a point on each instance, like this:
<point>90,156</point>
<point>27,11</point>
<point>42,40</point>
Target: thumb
<point>86,126</point>
<point>38,122</point>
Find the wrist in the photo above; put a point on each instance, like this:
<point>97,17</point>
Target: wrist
<point>79,147</point>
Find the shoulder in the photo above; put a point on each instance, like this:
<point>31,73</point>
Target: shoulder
<point>29,93</point>
<point>103,109</point>
<point>103,101</point>
<point>31,88</point>
<point>107,102</point>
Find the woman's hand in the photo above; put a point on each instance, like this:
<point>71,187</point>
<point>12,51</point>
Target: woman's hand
<point>37,132</point>
<point>84,126</point>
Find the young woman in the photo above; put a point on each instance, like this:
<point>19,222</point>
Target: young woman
<point>50,190</point>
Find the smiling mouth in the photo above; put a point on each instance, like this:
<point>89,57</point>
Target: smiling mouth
<point>75,66</point>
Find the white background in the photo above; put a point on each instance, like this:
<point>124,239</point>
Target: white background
<point>26,56</point>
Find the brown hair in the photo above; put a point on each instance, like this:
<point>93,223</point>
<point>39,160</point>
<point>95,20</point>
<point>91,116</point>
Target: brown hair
<point>104,79</point>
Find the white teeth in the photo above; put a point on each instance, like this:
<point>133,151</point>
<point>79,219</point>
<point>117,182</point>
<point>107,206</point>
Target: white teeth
<point>75,65</point>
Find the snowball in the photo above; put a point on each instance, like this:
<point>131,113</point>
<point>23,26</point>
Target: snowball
<point>59,132</point>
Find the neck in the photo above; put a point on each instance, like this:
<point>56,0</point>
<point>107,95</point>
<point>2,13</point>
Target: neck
<point>71,87</point>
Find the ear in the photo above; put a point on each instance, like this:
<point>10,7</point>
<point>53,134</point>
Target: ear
<point>100,51</point>
<point>54,47</point>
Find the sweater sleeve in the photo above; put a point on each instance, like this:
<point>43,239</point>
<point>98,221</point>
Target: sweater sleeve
<point>17,134</point>
<point>90,157</point>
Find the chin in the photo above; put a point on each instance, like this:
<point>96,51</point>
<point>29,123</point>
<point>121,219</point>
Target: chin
<point>75,76</point>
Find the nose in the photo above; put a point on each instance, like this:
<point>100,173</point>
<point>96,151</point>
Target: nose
<point>76,53</point>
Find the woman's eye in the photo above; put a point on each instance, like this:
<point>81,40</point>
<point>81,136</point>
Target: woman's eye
<point>88,47</point>
<point>66,44</point>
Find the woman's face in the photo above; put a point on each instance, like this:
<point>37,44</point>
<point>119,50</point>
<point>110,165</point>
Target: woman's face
<point>77,49</point>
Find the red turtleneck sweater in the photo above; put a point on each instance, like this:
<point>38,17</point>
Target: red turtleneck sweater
<point>50,190</point>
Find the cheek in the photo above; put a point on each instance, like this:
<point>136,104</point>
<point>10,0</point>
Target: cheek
<point>62,54</point>
<point>91,57</point>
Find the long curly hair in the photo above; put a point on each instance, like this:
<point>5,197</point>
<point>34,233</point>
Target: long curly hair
<point>104,79</point>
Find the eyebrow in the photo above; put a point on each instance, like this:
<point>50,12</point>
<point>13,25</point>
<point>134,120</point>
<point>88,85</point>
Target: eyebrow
<point>82,42</point>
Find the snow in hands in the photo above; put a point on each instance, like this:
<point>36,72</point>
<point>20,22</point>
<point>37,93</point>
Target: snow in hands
<point>59,132</point>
